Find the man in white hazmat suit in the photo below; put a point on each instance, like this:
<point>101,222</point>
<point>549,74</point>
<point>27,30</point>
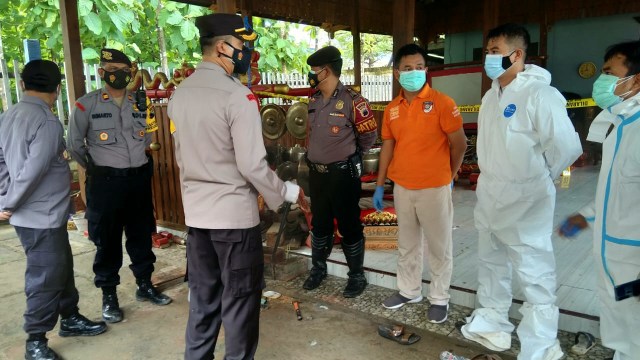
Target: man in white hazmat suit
<point>525,140</point>
<point>616,209</point>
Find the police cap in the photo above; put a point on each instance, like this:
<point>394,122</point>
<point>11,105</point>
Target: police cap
<point>41,76</point>
<point>324,56</point>
<point>224,24</point>
<point>114,56</point>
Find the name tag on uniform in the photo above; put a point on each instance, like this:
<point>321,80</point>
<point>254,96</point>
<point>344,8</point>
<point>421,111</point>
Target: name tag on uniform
<point>336,114</point>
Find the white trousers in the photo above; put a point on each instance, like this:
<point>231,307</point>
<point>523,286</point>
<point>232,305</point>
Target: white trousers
<point>425,221</point>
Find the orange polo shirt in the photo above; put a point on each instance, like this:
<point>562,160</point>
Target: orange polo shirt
<point>421,157</point>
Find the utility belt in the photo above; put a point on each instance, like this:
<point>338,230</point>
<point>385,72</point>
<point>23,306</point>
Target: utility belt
<point>116,172</point>
<point>353,165</point>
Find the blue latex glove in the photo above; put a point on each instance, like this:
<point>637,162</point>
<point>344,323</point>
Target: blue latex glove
<point>568,229</point>
<point>377,198</point>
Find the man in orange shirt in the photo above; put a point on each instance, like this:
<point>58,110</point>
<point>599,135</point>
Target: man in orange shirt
<point>422,150</point>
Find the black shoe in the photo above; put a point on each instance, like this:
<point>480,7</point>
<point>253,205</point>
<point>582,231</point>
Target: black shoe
<point>39,350</point>
<point>111,312</point>
<point>355,286</point>
<point>78,325</point>
<point>314,280</point>
<point>146,292</point>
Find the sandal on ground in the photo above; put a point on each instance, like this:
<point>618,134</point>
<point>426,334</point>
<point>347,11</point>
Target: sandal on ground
<point>486,357</point>
<point>397,334</point>
<point>584,341</point>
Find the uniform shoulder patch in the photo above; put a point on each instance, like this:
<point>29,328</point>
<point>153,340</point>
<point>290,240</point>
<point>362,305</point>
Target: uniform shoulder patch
<point>252,97</point>
<point>80,106</point>
<point>363,116</point>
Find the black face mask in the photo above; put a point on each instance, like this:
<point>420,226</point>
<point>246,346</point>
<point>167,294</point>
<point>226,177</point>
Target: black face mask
<point>313,78</point>
<point>506,61</point>
<point>118,79</point>
<point>241,59</point>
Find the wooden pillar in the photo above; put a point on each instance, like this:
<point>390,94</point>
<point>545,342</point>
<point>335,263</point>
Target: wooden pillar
<point>544,32</point>
<point>226,6</point>
<point>357,51</point>
<point>73,66</point>
<point>491,13</point>
<point>404,17</point>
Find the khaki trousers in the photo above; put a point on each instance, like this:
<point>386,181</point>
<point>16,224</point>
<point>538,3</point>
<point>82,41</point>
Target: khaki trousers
<point>425,221</point>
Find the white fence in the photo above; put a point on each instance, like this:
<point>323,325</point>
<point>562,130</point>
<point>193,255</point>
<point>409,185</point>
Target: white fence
<point>374,88</point>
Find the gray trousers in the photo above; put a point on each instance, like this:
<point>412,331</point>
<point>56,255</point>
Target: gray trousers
<point>49,282</point>
<point>226,278</point>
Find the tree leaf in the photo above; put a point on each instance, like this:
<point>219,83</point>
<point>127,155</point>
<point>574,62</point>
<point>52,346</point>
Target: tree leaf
<point>272,60</point>
<point>93,22</point>
<point>188,30</point>
<point>280,43</point>
<point>84,7</point>
<point>175,18</point>
<point>89,54</point>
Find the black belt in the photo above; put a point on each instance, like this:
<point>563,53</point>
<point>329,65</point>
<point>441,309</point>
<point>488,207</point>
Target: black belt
<point>109,171</point>
<point>326,168</point>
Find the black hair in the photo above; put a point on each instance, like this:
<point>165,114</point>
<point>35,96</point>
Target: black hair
<point>511,32</point>
<point>406,50</point>
<point>630,50</point>
<point>41,75</point>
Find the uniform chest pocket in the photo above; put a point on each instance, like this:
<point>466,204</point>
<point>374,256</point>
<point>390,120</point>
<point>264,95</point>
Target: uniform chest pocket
<point>104,130</point>
<point>139,126</point>
<point>338,123</point>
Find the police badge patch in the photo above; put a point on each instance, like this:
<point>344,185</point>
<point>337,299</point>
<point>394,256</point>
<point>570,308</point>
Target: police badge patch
<point>427,106</point>
<point>363,109</point>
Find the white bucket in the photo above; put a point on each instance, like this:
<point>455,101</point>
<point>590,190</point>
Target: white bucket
<point>81,223</point>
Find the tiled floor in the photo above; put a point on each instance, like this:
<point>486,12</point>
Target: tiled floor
<point>576,277</point>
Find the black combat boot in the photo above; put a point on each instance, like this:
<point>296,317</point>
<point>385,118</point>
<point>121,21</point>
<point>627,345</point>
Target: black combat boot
<point>146,292</point>
<point>320,250</point>
<point>37,348</point>
<point>354,254</point>
<point>78,325</point>
<point>111,312</point>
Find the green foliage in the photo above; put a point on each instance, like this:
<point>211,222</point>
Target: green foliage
<point>278,51</point>
<point>131,26</point>
<point>373,47</point>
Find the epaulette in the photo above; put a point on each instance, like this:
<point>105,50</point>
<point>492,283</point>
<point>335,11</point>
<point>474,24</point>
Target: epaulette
<point>354,94</point>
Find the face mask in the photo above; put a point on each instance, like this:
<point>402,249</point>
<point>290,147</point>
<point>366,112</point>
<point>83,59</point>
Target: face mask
<point>495,65</point>
<point>118,79</point>
<point>604,90</point>
<point>241,59</point>
<point>313,78</point>
<point>412,80</point>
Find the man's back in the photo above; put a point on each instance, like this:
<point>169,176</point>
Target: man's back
<point>39,178</point>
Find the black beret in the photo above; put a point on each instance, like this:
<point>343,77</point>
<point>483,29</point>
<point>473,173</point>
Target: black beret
<point>224,24</point>
<point>324,56</point>
<point>41,76</point>
<point>114,56</point>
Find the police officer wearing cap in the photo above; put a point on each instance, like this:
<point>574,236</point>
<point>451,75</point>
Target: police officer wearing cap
<point>342,128</point>
<point>107,136</point>
<point>221,155</point>
<point>34,197</point>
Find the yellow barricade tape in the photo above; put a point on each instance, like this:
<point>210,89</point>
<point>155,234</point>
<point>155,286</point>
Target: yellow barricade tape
<point>571,104</point>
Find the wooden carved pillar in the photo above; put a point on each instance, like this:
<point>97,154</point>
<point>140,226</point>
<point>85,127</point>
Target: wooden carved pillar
<point>404,17</point>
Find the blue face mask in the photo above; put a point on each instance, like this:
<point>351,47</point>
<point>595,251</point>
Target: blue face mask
<point>495,65</point>
<point>413,80</point>
<point>604,88</point>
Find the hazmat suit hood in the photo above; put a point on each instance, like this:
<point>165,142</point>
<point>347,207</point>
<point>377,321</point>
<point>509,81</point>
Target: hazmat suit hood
<point>531,73</point>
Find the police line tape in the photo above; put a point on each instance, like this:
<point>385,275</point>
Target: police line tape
<point>571,104</point>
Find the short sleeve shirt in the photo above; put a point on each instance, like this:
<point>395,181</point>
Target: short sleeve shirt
<point>421,157</point>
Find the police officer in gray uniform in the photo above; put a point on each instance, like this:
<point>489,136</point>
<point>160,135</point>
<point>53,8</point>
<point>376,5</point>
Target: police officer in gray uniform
<point>107,137</point>
<point>34,196</point>
<point>221,155</point>
<point>342,128</point>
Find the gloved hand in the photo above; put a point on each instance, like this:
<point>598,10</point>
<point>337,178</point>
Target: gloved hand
<point>377,198</point>
<point>572,226</point>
